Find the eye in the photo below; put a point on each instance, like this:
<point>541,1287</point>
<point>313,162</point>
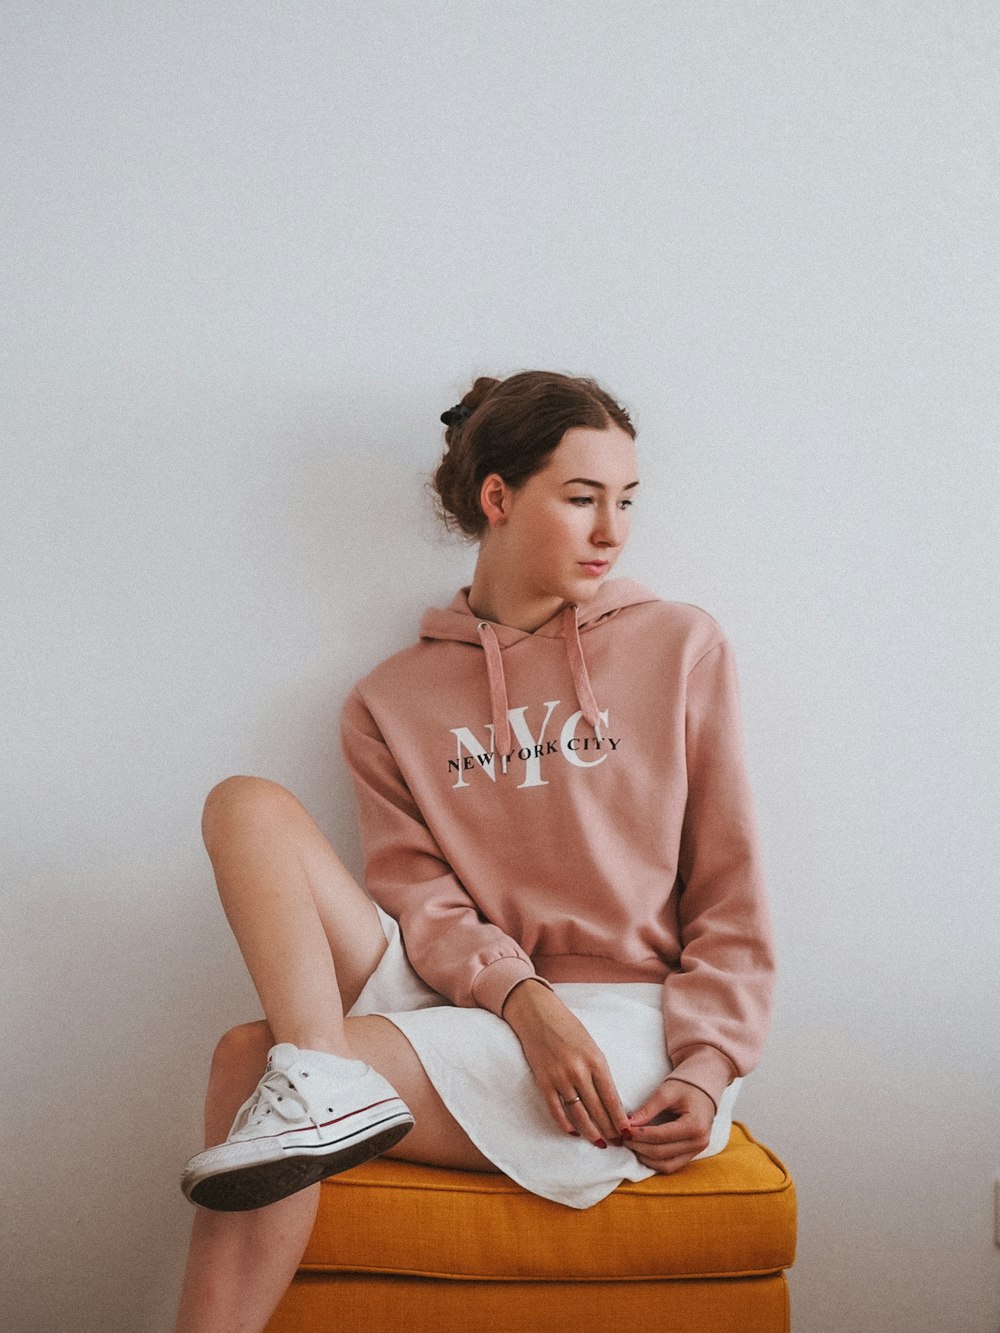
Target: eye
<point>625,504</point>
<point>581,500</point>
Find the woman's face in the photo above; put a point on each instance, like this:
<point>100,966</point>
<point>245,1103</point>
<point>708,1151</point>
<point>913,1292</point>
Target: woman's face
<point>563,530</point>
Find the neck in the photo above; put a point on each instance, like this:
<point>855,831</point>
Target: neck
<point>494,597</point>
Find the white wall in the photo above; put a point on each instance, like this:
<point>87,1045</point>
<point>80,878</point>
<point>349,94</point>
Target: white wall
<point>251,250</point>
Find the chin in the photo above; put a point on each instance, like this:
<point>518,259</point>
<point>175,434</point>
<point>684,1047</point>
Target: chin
<point>586,589</point>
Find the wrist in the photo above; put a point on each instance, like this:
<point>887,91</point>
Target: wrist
<point>522,998</point>
<point>497,979</point>
<point>703,1067</point>
<point>693,1091</point>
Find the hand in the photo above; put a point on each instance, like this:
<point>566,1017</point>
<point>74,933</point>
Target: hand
<point>568,1065</point>
<point>671,1126</point>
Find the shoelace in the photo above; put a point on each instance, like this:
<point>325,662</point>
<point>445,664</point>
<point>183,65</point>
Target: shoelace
<point>276,1094</point>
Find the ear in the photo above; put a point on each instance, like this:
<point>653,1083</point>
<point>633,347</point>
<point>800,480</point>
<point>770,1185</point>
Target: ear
<point>494,498</point>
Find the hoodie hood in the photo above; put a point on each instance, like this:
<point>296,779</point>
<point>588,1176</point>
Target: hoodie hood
<point>458,623</point>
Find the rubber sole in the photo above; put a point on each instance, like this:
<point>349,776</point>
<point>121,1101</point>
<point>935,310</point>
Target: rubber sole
<point>266,1182</point>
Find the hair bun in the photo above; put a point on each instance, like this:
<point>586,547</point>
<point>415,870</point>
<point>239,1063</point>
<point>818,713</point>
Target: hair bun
<point>456,415</point>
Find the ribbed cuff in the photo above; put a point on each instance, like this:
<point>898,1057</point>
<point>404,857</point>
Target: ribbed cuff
<point>706,1068</point>
<point>496,981</point>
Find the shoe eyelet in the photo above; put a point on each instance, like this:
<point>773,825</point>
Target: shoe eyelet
<point>304,1073</point>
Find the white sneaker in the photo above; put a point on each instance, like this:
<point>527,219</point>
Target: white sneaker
<point>311,1115</point>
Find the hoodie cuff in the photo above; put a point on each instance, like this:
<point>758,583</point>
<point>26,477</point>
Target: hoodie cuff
<point>496,981</point>
<point>706,1068</point>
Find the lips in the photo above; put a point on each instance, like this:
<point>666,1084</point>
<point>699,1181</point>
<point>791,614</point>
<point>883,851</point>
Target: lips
<point>593,567</point>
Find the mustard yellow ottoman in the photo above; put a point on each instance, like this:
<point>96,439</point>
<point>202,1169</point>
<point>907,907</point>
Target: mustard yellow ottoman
<point>415,1248</point>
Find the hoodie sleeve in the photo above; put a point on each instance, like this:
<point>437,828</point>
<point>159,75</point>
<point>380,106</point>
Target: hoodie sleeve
<point>449,943</point>
<point>717,1007</point>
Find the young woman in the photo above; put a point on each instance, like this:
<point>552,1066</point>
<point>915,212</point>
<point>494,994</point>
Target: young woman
<point>569,968</point>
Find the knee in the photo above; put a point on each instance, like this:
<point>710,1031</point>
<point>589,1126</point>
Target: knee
<point>240,1054</point>
<point>238,798</point>
<point>237,1065</point>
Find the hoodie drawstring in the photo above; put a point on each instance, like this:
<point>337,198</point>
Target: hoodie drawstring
<point>499,704</point>
<point>502,738</point>
<point>578,666</point>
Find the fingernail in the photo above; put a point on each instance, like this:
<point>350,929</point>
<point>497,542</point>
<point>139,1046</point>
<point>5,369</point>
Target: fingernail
<point>626,1132</point>
<point>575,1133</point>
<point>599,1143</point>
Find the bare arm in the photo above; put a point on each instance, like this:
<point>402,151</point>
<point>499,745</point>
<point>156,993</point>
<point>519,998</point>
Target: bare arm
<point>569,1067</point>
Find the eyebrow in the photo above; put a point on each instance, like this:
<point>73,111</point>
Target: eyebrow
<point>598,485</point>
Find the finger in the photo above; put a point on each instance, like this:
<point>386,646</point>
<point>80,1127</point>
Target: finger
<point>617,1117</point>
<point>662,1106</point>
<point>672,1158</point>
<point>672,1099</point>
<point>597,1117</point>
<point>586,1115</point>
<point>696,1138</point>
<point>559,1112</point>
<point>659,1154</point>
<point>584,1109</point>
<point>600,1096</point>
<point>663,1152</point>
<point>667,1166</point>
<point>670,1132</point>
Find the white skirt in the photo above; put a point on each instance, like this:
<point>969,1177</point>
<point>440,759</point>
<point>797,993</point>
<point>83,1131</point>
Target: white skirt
<point>476,1064</point>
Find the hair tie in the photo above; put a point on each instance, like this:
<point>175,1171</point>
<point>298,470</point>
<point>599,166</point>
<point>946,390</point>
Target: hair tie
<point>459,413</point>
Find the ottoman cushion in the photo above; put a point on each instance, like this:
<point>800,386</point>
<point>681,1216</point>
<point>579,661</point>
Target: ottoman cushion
<point>725,1216</point>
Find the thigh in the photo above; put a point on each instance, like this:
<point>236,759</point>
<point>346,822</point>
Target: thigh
<point>437,1138</point>
<point>257,830</point>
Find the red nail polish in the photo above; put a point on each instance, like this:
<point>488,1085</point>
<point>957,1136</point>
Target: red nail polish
<point>599,1143</point>
<point>575,1133</point>
<point>626,1133</point>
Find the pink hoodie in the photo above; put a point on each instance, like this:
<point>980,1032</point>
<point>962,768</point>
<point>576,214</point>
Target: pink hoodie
<point>572,805</point>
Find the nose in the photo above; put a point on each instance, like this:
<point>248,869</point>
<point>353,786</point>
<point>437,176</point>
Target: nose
<point>611,527</point>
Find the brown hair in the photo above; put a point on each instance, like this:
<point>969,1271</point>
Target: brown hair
<point>511,427</point>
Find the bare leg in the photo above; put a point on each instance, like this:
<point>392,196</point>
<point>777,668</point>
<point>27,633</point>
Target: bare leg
<point>310,937</point>
<point>239,1264</point>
